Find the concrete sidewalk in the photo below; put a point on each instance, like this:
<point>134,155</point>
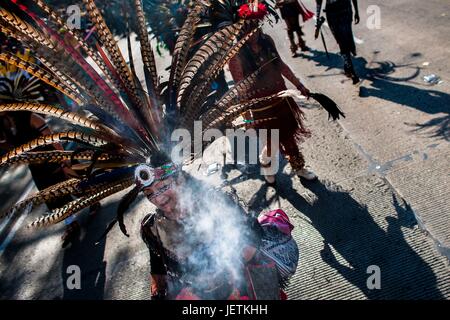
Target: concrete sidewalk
<point>396,121</point>
<point>377,175</point>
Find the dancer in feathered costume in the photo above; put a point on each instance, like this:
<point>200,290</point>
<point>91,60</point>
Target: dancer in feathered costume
<point>123,128</point>
<point>120,123</point>
<point>259,58</point>
<point>17,128</point>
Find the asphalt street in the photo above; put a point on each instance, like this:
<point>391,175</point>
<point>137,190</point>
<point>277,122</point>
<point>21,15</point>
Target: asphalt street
<point>381,198</point>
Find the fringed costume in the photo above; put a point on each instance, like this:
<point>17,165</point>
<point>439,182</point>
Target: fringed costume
<point>122,125</point>
<point>279,113</point>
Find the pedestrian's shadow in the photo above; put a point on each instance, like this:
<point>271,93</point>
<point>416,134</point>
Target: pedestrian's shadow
<point>349,228</point>
<point>89,257</point>
<point>379,80</point>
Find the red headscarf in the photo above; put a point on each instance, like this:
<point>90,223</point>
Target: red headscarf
<point>252,10</point>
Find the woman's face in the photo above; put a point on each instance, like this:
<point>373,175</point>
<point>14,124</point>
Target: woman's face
<point>253,40</point>
<point>163,195</point>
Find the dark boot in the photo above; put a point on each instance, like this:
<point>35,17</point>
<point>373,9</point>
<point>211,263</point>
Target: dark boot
<point>349,70</point>
<point>301,42</point>
<point>293,45</point>
<point>294,50</point>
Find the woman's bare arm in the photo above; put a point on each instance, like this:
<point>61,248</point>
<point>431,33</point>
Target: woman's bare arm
<point>287,72</point>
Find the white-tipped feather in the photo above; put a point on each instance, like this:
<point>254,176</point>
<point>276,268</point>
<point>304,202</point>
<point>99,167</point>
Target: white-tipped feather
<point>293,93</point>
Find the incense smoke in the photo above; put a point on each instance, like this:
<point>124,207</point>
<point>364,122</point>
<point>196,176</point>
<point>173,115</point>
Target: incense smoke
<point>214,234</point>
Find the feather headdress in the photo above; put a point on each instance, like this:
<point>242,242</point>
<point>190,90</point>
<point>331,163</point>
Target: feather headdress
<point>119,122</point>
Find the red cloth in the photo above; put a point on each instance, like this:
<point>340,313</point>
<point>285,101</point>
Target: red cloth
<point>246,13</point>
<point>306,14</point>
<point>277,218</point>
<point>187,294</point>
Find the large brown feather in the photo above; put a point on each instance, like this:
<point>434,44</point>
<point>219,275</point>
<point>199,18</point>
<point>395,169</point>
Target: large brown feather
<point>57,156</point>
<point>58,190</point>
<point>81,42</point>
<point>41,74</point>
<point>217,63</point>
<point>54,112</point>
<point>183,43</point>
<point>81,203</point>
<point>111,46</point>
<point>223,37</point>
<point>51,139</point>
<point>148,57</point>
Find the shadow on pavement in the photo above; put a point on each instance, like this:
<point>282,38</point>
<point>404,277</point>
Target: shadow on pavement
<point>84,252</point>
<point>384,85</point>
<point>350,229</point>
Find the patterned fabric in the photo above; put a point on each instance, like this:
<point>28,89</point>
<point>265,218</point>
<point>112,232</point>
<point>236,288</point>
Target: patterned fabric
<point>277,242</point>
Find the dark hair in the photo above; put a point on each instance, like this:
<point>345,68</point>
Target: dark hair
<point>248,57</point>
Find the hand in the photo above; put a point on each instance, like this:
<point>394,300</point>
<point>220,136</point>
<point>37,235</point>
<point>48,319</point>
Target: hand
<point>304,90</point>
<point>248,253</point>
<point>158,288</point>
<point>158,295</point>
<point>356,18</point>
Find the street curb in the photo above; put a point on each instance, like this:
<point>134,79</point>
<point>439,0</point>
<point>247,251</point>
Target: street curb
<point>440,248</point>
